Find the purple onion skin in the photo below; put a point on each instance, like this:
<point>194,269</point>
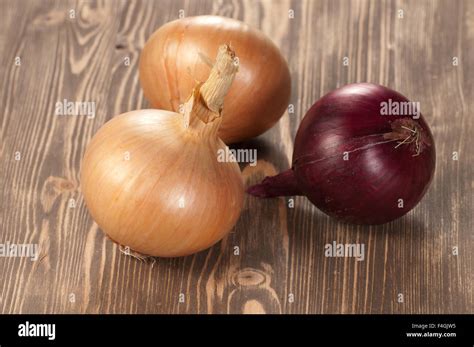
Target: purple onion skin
<point>379,170</point>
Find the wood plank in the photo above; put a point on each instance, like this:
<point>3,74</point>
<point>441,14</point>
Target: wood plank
<point>273,261</point>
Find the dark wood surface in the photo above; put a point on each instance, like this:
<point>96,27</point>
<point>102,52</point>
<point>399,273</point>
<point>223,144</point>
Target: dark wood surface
<point>281,267</point>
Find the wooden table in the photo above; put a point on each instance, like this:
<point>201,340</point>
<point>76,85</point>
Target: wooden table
<point>410,46</point>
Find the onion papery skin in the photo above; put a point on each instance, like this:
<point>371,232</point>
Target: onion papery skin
<point>174,58</point>
<point>366,188</point>
<point>171,198</point>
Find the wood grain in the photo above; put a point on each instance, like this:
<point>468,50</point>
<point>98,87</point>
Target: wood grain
<point>273,261</point>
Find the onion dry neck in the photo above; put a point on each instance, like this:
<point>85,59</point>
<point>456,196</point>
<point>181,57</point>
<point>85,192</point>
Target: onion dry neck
<point>203,110</point>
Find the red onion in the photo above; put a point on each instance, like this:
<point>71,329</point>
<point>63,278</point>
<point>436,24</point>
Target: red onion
<point>355,162</point>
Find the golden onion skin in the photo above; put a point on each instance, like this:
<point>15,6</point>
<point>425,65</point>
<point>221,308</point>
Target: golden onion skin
<point>177,55</point>
<point>156,187</point>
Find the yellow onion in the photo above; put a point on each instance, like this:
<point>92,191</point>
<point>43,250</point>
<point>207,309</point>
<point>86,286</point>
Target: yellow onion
<point>151,179</point>
<point>177,55</point>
